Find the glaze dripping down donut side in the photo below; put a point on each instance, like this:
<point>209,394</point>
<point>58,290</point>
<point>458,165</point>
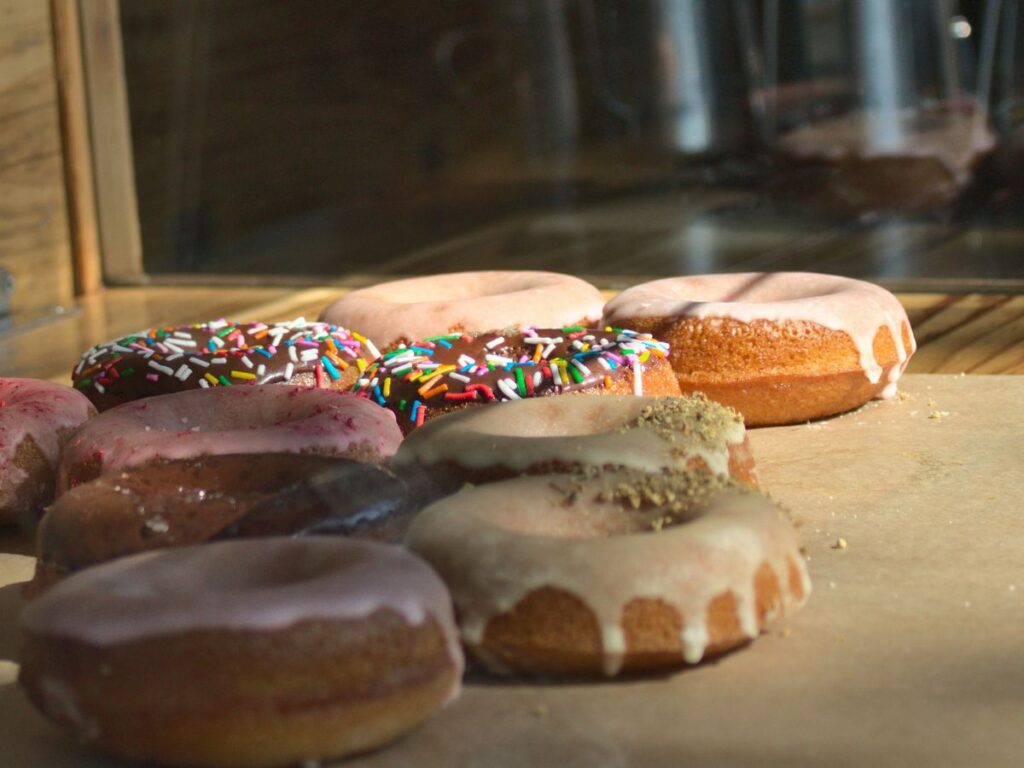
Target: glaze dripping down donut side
<point>611,572</point>
<point>779,347</point>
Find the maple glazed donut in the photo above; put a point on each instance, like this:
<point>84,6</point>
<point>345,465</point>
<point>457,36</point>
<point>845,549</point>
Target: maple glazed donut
<point>256,419</point>
<point>562,434</point>
<point>265,652</point>
<point>36,417</point>
<point>616,572</point>
<point>175,503</point>
<point>780,348</point>
<point>455,371</point>
<point>402,311</point>
<point>221,353</point>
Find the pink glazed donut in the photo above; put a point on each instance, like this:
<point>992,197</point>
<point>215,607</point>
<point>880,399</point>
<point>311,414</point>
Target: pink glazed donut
<point>35,418</point>
<point>780,348</point>
<point>256,419</point>
<point>404,311</point>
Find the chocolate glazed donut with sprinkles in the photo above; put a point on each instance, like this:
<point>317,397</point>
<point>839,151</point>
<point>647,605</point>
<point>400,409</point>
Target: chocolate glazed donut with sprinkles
<point>446,373</point>
<point>221,353</point>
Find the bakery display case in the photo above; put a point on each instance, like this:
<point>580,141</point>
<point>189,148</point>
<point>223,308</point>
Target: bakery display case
<point>214,171</point>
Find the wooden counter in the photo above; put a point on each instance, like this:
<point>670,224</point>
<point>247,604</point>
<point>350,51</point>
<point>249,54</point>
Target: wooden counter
<point>956,333</point>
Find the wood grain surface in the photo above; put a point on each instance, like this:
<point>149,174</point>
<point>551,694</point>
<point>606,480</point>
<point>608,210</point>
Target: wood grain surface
<point>34,236</point>
<point>969,333</point>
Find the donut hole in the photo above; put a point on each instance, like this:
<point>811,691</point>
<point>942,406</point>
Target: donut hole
<point>415,291</point>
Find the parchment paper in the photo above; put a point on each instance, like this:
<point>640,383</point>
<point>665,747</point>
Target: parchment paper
<point>909,652</point>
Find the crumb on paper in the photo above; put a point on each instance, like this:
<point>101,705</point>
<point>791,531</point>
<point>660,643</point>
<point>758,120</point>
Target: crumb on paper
<point>832,585</point>
<point>786,632</point>
<point>902,396</point>
<point>938,415</point>
<point>840,543</point>
<point>540,710</point>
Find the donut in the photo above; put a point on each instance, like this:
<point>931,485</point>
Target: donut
<point>402,311</point>
<point>263,418</point>
<point>446,373</point>
<point>609,573</point>
<point>36,417</point>
<point>563,434</point>
<point>175,503</point>
<point>221,353</point>
<point>780,348</point>
<point>263,652</point>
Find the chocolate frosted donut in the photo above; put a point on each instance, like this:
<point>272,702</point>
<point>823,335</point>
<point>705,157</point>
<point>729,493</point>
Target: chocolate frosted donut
<point>446,373</point>
<point>188,501</point>
<point>221,353</point>
<point>560,434</point>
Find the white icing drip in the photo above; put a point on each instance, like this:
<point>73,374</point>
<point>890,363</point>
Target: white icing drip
<point>252,419</point>
<point>420,307</point>
<point>583,430</point>
<point>495,544</point>
<point>613,645</point>
<point>695,639</point>
<point>264,584</point>
<point>853,307</point>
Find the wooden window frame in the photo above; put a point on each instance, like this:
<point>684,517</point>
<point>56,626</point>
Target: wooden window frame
<point>96,126</point>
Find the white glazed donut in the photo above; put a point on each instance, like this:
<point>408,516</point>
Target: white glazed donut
<point>619,572</point>
<point>405,311</point>
<point>780,348</point>
<point>561,434</point>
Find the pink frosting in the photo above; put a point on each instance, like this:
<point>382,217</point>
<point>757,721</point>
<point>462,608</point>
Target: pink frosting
<point>465,301</point>
<point>37,409</point>
<point>252,419</point>
<point>265,584</point>
<point>854,307</point>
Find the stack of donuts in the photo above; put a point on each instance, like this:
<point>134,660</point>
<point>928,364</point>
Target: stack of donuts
<point>262,543</point>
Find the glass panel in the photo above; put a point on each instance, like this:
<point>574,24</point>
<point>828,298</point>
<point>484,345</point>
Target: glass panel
<point>609,138</point>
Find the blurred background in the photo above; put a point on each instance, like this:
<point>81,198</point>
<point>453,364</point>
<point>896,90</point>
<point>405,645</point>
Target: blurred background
<point>610,138</point>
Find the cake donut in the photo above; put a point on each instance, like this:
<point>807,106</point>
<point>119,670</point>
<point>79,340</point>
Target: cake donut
<point>402,311</point>
<point>36,417</point>
<point>563,434</point>
<point>221,353</point>
<point>611,573</point>
<point>179,502</point>
<point>445,373</point>
<point>268,652</point>
<point>780,348</point>
<point>256,419</point>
